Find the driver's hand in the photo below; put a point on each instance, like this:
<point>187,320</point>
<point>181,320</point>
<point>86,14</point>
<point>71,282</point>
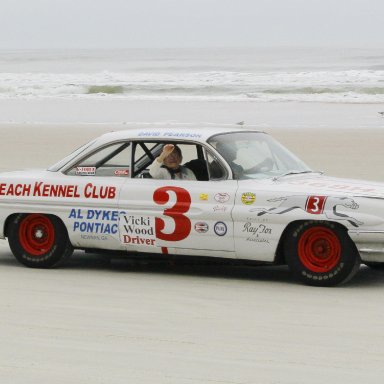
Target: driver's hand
<point>167,150</point>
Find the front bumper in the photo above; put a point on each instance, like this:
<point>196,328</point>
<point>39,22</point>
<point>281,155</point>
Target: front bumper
<point>370,245</point>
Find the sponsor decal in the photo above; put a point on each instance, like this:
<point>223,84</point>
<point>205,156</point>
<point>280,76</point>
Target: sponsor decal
<point>86,171</point>
<point>255,230</point>
<point>314,205</point>
<point>137,230</point>
<point>220,228</point>
<point>258,240</point>
<point>203,196</point>
<point>93,237</point>
<point>201,227</point>
<point>220,208</point>
<point>95,221</point>
<point>121,172</point>
<point>248,198</point>
<point>222,197</point>
<point>41,189</point>
<point>93,192</point>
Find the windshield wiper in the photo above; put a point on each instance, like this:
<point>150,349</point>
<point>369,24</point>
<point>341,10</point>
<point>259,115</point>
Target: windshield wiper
<point>294,173</point>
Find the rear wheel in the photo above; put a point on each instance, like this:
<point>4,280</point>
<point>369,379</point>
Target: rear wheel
<point>321,253</point>
<point>39,241</point>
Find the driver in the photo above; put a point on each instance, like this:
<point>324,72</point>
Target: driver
<point>229,152</point>
<point>168,165</point>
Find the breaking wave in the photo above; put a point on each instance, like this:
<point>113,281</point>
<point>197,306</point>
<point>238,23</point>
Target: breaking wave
<point>106,89</point>
<point>364,86</point>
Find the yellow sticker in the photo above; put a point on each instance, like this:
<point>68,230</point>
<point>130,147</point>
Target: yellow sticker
<point>248,198</point>
<point>203,196</point>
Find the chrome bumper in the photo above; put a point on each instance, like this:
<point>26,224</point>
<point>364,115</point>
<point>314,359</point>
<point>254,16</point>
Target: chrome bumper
<point>370,244</point>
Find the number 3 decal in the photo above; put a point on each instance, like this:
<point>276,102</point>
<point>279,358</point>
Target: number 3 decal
<point>315,204</point>
<point>176,213</point>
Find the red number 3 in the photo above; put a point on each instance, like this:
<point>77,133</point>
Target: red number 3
<point>315,204</point>
<point>176,212</point>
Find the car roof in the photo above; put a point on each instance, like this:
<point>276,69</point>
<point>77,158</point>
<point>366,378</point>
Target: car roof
<point>172,134</point>
<point>200,135</point>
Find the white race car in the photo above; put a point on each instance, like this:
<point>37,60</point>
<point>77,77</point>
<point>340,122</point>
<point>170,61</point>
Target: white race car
<point>252,200</point>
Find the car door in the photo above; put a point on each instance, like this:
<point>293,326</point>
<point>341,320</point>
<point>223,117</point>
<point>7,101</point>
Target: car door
<point>92,219</point>
<point>178,216</point>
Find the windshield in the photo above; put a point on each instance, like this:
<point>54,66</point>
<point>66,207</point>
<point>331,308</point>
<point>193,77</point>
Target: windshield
<point>67,159</point>
<point>255,155</point>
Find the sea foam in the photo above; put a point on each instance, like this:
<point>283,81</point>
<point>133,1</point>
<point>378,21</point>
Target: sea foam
<point>224,75</point>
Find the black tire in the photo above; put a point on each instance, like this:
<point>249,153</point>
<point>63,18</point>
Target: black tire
<point>320,253</point>
<point>39,241</point>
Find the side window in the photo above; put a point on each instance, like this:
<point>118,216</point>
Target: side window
<point>204,165</point>
<point>215,168</point>
<point>146,152</point>
<point>113,160</point>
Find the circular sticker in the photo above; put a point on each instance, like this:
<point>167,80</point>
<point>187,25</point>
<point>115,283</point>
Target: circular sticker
<point>220,228</point>
<point>248,198</point>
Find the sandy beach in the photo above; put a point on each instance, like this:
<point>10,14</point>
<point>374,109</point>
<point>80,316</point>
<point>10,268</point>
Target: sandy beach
<point>309,73</point>
<point>97,322</point>
<point>343,140</point>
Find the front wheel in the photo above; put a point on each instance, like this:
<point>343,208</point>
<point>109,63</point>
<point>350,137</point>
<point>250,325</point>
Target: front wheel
<point>38,241</point>
<point>321,253</point>
<point>374,265</point>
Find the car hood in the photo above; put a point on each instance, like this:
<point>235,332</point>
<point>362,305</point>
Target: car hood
<point>317,184</point>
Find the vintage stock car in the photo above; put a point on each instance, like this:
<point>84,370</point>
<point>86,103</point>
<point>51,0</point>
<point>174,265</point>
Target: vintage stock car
<point>252,200</point>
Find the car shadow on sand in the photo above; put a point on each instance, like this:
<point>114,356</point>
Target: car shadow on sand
<point>180,267</point>
<point>208,268</point>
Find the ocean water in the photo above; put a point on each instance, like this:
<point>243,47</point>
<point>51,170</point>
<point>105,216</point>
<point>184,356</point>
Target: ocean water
<point>261,75</point>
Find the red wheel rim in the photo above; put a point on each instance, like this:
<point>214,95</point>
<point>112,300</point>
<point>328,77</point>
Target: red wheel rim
<point>36,234</point>
<point>319,249</point>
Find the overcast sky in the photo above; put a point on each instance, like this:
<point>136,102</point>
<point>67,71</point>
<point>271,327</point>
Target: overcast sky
<point>190,23</point>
